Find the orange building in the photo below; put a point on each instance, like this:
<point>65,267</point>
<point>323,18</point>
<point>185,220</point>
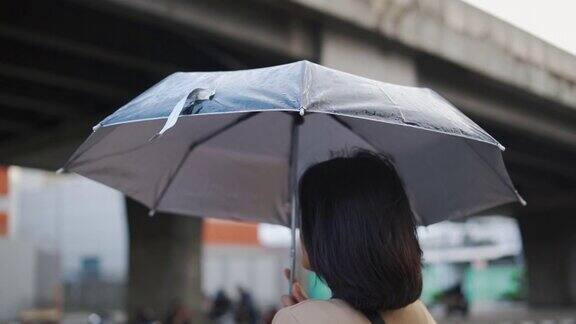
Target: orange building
<point>222,232</point>
<point>3,201</point>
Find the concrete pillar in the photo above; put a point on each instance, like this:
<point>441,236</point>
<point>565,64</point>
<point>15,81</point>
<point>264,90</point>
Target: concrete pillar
<point>549,239</point>
<point>164,262</point>
<point>359,54</point>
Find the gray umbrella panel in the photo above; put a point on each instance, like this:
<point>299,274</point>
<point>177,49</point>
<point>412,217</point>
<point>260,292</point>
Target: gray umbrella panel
<point>306,85</point>
<point>449,165</point>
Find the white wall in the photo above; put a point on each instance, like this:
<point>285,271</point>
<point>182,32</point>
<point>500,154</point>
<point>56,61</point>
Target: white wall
<point>17,277</point>
<point>257,269</point>
<point>72,216</point>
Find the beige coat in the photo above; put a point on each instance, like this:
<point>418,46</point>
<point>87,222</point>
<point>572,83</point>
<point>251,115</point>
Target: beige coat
<point>336,311</point>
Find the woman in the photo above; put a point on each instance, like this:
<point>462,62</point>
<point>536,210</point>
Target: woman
<point>358,234</point>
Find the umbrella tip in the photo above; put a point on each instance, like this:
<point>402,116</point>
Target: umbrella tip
<point>95,128</point>
<point>520,199</point>
<point>152,212</point>
<point>302,111</point>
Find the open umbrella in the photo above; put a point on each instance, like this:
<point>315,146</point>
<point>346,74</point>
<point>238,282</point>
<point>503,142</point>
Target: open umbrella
<point>232,144</point>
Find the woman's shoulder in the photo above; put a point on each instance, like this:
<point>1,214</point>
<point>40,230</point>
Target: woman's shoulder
<point>416,312</point>
<point>318,311</point>
<point>336,311</point>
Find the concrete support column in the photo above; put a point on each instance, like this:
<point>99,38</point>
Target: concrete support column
<point>549,239</point>
<point>164,262</point>
<point>359,54</point>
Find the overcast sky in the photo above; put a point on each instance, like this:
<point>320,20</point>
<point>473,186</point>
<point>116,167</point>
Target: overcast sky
<point>552,20</point>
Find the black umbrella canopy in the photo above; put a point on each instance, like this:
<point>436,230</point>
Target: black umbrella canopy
<point>231,144</point>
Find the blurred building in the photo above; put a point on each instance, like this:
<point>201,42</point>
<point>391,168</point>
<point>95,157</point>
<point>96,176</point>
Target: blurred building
<point>76,217</point>
<point>29,274</point>
<point>480,257</point>
<point>241,255</point>
<point>59,230</point>
<point>479,239</point>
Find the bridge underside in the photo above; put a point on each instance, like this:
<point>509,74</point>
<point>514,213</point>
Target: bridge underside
<point>67,64</point>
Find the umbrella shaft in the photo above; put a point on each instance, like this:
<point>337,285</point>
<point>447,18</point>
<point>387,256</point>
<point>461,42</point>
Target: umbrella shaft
<point>293,242</point>
<point>293,190</point>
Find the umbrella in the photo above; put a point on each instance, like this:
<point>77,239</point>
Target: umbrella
<point>232,144</point>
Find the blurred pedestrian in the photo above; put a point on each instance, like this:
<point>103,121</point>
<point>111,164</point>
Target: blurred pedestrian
<point>245,312</point>
<point>145,316</point>
<point>179,314</point>
<point>455,301</point>
<point>221,310</point>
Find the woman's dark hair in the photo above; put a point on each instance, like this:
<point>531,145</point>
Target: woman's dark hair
<point>359,232</point>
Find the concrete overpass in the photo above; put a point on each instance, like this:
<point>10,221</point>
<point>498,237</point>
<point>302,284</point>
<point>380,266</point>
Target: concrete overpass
<point>66,64</point>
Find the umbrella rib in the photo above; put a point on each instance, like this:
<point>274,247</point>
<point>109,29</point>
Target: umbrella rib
<point>191,148</point>
<point>114,154</point>
<point>498,175</point>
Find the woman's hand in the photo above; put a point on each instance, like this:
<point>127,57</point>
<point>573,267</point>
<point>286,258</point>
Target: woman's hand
<point>298,293</point>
